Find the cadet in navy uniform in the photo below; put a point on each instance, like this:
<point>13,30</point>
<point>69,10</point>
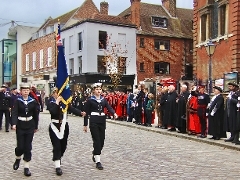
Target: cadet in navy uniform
<point>59,129</point>
<point>25,122</point>
<point>5,106</point>
<point>203,100</point>
<point>97,123</point>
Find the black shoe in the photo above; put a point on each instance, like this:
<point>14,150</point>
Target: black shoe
<point>202,136</point>
<point>7,130</point>
<point>212,137</point>
<point>157,126</point>
<point>217,138</point>
<point>229,140</point>
<point>99,166</point>
<point>59,171</point>
<point>27,172</point>
<point>93,158</point>
<point>172,129</point>
<point>163,127</point>
<point>16,164</point>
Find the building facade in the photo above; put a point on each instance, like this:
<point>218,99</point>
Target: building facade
<point>87,34</point>
<point>218,21</point>
<point>164,39</point>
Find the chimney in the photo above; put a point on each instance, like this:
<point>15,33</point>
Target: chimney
<point>135,12</point>
<point>104,8</point>
<point>170,6</point>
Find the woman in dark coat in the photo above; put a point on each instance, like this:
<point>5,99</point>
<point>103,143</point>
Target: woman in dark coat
<point>216,115</point>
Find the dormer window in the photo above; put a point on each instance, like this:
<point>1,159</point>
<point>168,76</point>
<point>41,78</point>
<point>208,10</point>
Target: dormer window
<point>159,22</point>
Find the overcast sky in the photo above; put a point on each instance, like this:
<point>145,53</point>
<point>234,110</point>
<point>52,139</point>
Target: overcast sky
<point>34,12</point>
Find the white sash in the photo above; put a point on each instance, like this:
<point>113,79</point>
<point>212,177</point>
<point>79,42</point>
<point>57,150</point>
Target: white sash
<point>60,133</point>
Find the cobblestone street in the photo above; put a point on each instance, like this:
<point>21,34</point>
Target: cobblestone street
<point>129,153</point>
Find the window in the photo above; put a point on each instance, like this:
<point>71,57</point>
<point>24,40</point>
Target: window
<point>41,58</point>
<point>70,44</point>
<point>162,67</point>
<point>27,62</point>
<point>203,27</point>
<point>71,66</point>
<point>122,41</point>
<point>141,42</point>
<point>222,21</point>
<point>122,65</point>
<point>49,61</point>
<point>162,45</point>
<point>80,42</point>
<point>63,43</point>
<point>159,22</point>
<point>34,60</point>
<point>213,26</point>
<point>141,67</point>
<point>102,41</point>
<point>79,64</point>
<point>101,65</point>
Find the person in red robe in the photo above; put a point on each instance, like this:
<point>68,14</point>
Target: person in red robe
<point>119,109</point>
<point>193,125</point>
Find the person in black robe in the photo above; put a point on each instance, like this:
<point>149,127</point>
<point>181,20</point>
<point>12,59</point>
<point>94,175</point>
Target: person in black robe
<point>236,137</point>
<point>230,115</point>
<point>163,101</point>
<point>170,109</point>
<point>216,115</point>
<point>181,110</point>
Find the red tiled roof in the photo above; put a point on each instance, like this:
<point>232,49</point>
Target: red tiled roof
<point>180,27</point>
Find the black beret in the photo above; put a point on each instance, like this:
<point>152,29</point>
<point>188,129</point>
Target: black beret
<point>233,84</point>
<point>159,84</point>
<point>218,88</point>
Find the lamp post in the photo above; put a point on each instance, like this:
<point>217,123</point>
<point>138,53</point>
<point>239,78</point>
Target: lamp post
<point>210,48</point>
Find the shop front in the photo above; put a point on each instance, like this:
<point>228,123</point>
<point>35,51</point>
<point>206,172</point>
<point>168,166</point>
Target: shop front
<point>83,81</point>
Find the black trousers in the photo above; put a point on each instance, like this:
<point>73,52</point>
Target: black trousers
<point>59,145</point>
<point>138,114</point>
<point>7,118</point>
<point>148,116</point>
<point>203,122</point>
<point>24,143</point>
<point>98,136</point>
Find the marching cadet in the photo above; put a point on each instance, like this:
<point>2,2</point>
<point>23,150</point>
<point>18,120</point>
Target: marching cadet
<point>5,106</point>
<point>59,129</point>
<point>97,121</point>
<point>203,100</point>
<point>230,115</point>
<point>25,122</point>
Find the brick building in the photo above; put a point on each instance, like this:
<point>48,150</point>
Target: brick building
<point>164,39</point>
<point>78,34</point>
<point>218,21</point>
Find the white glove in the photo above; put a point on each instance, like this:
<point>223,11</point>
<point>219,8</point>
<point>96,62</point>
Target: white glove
<point>238,105</point>
<point>212,114</point>
<point>206,114</point>
<point>239,98</point>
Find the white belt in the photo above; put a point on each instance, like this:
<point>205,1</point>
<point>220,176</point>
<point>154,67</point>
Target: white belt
<point>97,114</point>
<point>56,121</point>
<point>25,118</point>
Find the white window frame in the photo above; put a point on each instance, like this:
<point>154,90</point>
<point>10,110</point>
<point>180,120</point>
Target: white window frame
<point>41,59</point>
<point>49,61</point>
<point>34,60</point>
<point>27,62</point>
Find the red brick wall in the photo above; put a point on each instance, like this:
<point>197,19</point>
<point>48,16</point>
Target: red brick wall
<point>35,46</point>
<point>179,52</point>
<point>135,12</point>
<point>226,57</point>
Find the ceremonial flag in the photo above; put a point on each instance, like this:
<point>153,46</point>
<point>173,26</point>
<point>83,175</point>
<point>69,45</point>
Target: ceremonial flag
<point>62,75</point>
